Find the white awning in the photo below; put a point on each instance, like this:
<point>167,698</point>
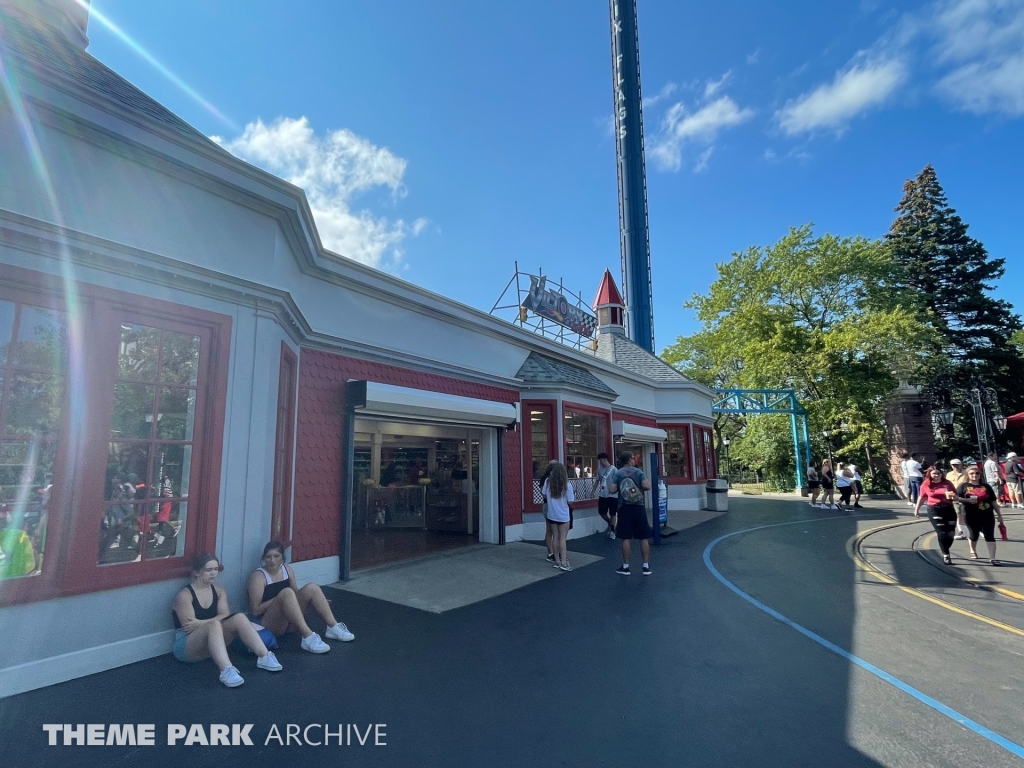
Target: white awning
<point>420,404</point>
<point>637,432</point>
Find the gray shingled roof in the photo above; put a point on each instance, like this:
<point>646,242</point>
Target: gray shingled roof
<point>49,56</point>
<point>617,349</point>
<point>538,369</point>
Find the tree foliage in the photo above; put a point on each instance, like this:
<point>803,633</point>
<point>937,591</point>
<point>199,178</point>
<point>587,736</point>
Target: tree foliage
<point>951,276</point>
<point>816,314</point>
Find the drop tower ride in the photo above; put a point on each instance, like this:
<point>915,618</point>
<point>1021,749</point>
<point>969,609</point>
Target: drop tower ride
<point>629,148</point>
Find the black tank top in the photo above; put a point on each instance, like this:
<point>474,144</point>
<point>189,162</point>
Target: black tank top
<point>274,588</point>
<point>200,612</point>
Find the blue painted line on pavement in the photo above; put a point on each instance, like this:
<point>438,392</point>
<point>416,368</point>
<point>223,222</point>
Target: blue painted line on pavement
<point>938,706</point>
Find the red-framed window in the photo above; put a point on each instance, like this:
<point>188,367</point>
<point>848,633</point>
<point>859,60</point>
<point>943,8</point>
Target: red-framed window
<point>284,448</point>
<point>586,432</point>
<point>705,464</point>
<point>540,446</point>
<point>677,456</point>
<point>112,435</point>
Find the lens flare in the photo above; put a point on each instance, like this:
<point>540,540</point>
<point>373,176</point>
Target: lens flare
<point>128,40</point>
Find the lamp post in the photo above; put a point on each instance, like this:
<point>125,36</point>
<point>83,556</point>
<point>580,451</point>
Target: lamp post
<point>728,464</point>
<point>984,404</point>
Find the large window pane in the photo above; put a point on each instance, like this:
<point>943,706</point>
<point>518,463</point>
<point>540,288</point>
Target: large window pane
<point>180,362</point>
<point>677,450</point>
<point>133,410</point>
<point>177,414</point>
<point>127,469</point>
<point>540,448</point>
<point>42,339</point>
<point>171,466</point>
<point>138,353</point>
<point>7,310</point>
<point>33,404</point>
<point>586,436</point>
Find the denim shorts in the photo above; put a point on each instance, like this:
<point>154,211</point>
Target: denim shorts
<point>180,638</point>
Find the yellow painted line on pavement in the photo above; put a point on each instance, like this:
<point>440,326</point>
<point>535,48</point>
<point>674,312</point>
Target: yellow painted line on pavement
<point>926,542</point>
<point>853,550</point>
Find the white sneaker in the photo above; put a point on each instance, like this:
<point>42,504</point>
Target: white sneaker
<point>231,678</point>
<point>910,503</point>
<point>339,632</point>
<point>314,644</point>
<point>269,663</point>
<point>834,506</point>
<point>811,503</point>
<point>611,535</point>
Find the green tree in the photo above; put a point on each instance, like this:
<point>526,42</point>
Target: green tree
<point>816,314</point>
<point>952,276</point>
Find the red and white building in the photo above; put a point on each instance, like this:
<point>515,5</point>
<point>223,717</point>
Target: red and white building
<point>184,368</point>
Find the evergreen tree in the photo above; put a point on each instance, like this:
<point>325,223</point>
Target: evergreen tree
<point>950,273</point>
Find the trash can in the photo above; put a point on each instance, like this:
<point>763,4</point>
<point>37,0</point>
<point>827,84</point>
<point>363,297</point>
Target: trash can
<point>718,495</point>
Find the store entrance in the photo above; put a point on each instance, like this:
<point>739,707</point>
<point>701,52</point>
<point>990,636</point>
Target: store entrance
<point>642,453</point>
<point>415,490</point>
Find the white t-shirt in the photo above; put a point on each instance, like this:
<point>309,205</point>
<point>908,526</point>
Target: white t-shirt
<point>853,468</point>
<point>914,468</point>
<point>558,509</point>
<point>991,472</point>
<point>842,481</point>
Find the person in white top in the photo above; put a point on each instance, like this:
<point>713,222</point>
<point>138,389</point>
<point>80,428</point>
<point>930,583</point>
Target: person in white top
<point>844,484</point>
<point>992,474</point>
<point>914,477</point>
<point>558,494</point>
<point>856,485</point>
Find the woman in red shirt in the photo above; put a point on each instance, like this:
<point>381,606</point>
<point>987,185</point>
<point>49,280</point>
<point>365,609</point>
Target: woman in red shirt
<point>938,496</point>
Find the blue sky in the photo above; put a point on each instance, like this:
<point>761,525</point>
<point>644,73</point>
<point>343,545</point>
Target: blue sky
<point>443,141</point>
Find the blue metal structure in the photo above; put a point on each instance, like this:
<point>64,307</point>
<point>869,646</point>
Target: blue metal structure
<point>760,401</point>
<point>629,148</point>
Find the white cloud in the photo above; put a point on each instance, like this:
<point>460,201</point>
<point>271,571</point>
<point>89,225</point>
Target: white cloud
<point>702,160</point>
<point>714,86</point>
<point>333,169</point>
<point>649,101</point>
<point>770,156</point>
<point>864,84</point>
<point>753,57</point>
<point>984,41</point>
<point>679,128</point>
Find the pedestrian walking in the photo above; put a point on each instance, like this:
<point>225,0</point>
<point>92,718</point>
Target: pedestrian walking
<point>1014,481</point>
<point>828,493</point>
<point>844,484</point>
<point>981,508</point>
<point>915,477</point>
<point>559,495</point>
<point>956,474</point>
<point>549,527</point>
<point>630,483</point>
<point>993,476</point>
<point>938,495</point>
<point>813,484</point>
<point>857,485</point>
<point>607,502</point>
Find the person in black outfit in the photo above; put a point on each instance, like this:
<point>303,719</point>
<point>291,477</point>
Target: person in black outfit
<point>277,602</point>
<point>980,513</point>
<point>205,625</point>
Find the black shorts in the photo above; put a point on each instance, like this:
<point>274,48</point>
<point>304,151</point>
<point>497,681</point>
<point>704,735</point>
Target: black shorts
<point>826,485</point>
<point>858,487</point>
<point>632,522</point>
<point>813,484</point>
<point>606,506</point>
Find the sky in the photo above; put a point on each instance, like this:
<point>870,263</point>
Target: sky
<point>445,141</point>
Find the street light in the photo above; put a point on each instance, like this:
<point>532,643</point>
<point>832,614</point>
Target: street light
<point>728,464</point>
<point>1000,421</point>
<point>944,416</point>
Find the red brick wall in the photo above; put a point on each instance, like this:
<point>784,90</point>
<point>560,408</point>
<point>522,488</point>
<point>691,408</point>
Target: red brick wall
<point>513,449</point>
<point>318,452</point>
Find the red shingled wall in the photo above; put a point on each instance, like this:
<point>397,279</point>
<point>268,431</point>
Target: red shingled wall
<point>318,454</point>
<point>513,449</point>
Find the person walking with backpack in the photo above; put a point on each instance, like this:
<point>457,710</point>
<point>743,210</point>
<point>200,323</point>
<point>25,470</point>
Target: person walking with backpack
<point>607,502</point>
<point>630,483</point>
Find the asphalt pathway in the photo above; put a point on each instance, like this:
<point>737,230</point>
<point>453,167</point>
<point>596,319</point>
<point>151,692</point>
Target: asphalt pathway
<point>592,668</point>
